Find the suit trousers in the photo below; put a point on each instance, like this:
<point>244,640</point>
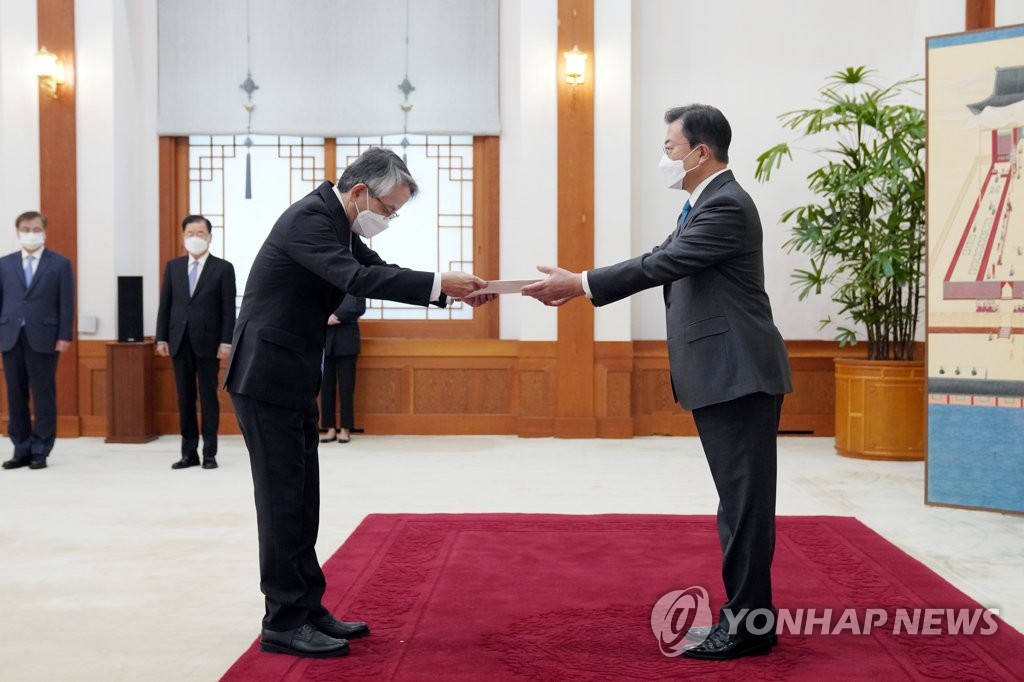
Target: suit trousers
<point>740,443</point>
<point>26,370</point>
<point>282,445</point>
<point>190,369</point>
<point>340,372</point>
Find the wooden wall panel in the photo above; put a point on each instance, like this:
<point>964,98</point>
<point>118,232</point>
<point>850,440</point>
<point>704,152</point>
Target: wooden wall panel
<point>490,386</point>
<point>92,387</point>
<point>463,390</point>
<point>378,390</point>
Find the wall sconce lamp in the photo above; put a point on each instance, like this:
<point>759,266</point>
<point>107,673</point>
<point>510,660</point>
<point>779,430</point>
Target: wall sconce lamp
<point>50,71</point>
<point>575,65</point>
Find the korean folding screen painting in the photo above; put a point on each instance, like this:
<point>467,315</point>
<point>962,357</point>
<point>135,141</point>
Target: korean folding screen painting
<point>975,287</point>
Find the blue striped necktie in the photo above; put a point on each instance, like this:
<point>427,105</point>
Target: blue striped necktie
<point>28,270</point>
<point>682,216</point>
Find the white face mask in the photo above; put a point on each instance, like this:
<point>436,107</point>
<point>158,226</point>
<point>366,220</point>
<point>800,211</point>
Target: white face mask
<point>197,246</point>
<point>31,240</point>
<point>369,224</point>
<point>673,172</point>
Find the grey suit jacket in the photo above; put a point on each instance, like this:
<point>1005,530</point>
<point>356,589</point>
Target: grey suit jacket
<point>722,340</point>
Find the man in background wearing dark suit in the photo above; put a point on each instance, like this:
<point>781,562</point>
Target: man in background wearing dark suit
<point>728,362</point>
<point>194,326</point>
<point>314,256</point>
<point>340,353</point>
<point>37,294</point>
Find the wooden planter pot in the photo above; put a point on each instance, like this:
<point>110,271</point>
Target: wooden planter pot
<point>880,409</point>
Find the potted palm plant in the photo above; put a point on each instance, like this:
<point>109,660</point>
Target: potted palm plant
<point>864,236</point>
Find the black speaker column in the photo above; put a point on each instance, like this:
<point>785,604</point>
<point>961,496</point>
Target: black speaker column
<point>129,309</point>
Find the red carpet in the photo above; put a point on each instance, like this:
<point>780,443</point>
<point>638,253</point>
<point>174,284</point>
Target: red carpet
<point>482,597</point>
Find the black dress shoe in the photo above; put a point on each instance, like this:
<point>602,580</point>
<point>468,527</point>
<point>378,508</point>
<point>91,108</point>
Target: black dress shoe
<point>339,629</point>
<point>16,462</point>
<point>209,462</point>
<point>38,463</point>
<point>721,646</point>
<point>186,462</point>
<point>304,640</point>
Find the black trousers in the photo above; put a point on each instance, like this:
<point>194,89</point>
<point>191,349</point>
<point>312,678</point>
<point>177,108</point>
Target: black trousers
<point>27,371</point>
<point>740,443</point>
<point>340,372</point>
<point>282,445</point>
<point>190,370</point>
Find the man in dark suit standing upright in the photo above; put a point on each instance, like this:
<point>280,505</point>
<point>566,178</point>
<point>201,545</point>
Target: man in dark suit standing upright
<point>37,294</point>
<point>313,256</point>
<point>728,362</point>
<point>194,326</point>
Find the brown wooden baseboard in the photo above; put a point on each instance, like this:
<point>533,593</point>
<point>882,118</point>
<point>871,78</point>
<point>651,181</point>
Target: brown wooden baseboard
<point>455,386</point>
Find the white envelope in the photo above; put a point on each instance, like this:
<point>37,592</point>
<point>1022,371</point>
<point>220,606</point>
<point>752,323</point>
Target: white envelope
<point>504,286</point>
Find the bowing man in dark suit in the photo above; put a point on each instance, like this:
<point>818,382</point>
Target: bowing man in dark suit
<point>728,361</point>
<point>194,325</point>
<point>340,354</point>
<point>37,294</point>
<point>314,255</point>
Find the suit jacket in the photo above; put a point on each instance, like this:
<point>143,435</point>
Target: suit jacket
<point>307,263</point>
<point>344,338</point>
<point>722,340</point>
<point>47,306</point>
<point>208,316</point>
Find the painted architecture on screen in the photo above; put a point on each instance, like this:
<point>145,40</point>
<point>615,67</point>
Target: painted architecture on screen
<point>975,287</point>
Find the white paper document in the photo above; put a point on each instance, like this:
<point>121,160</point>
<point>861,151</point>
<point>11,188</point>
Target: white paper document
<point>504,286</point>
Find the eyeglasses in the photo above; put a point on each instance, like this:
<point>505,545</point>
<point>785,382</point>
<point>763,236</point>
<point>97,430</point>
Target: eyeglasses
<point>391,213</point>
<point>31,230</point>
<point>667,149</point>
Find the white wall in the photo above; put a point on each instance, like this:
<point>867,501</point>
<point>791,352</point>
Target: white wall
<point>754,60</point>
<point>118,201</point>
<point>19,118</point>
<point>529,160</point>
<point>1009,12</point>
<point>613,144</point>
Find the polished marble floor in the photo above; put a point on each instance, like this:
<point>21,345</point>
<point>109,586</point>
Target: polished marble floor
<point>114,567</point>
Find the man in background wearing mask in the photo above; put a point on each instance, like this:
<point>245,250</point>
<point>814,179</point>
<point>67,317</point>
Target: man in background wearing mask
<point>314,256</point>
<point>37,293</point>
<point>194,326</point>
<point>728,362</point>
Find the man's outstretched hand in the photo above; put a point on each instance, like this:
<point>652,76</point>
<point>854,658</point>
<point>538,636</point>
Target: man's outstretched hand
<point>460,284</point>
<point>560,286</point>
<point>479,300</point>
